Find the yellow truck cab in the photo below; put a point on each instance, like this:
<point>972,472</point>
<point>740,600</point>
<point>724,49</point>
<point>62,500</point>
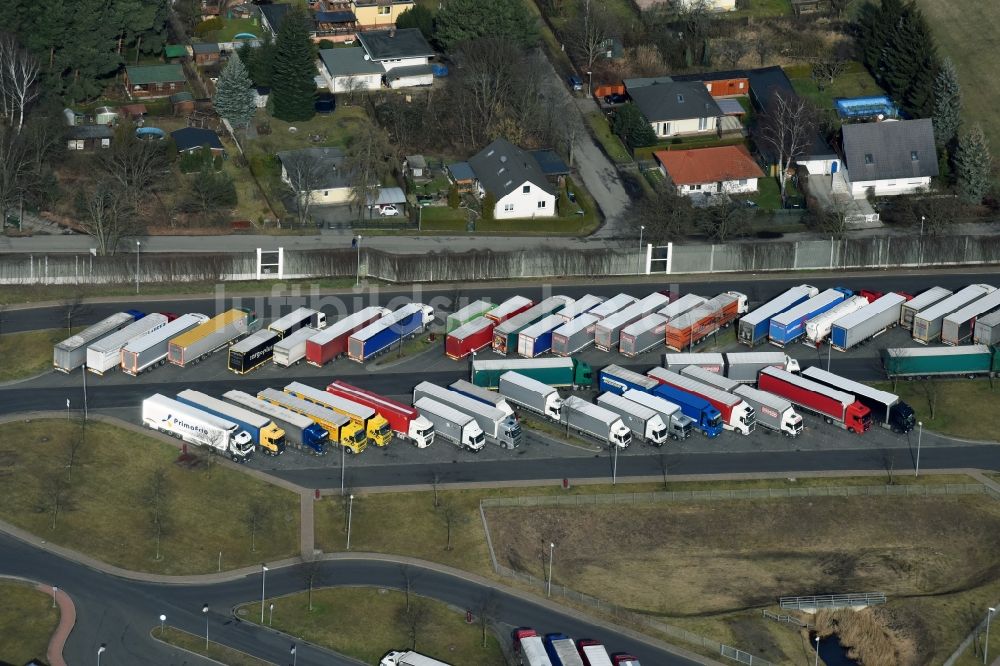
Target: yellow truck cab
<point>374,425</point>
<point>341,429</point>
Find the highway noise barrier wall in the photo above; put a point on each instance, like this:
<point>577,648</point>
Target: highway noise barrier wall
<point>751,256</point>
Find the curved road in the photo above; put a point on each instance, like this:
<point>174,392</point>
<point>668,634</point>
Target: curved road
<point>120,613</point>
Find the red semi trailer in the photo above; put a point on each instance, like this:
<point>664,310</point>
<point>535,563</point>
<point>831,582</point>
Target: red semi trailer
<point>469,337</point>
<point>404,420</point>
<point>331,342</point>
<point>514,305</point>
<point>834,406</point>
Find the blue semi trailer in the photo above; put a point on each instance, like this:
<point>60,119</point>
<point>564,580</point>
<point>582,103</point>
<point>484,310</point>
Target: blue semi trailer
<point>390,329</point>
<point>616,379</point>
<point>788,326</point>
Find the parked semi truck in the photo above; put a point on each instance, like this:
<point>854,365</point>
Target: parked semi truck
<point>331,343</point>
<point>742,367</point>
<point>642,336</point>
<point>71,353</point>
<point>469,338</point>
<point>959,326</point>
<point>457,427</point>
<point>987,330</point>
<point>788,326</point>
<point>529,648</point>
<point>559,372</point>
<point>501,428</point>
<point>959,361</point>
<point>644,422</point>
<point>869,322</point>
<point>300,431</point>
<point>379,336</point>
<point>818,328</point>
<point>753,327</point>
<point>197,427</point>
<point>836,407</point>
<point>617,379</point>
<point>608,333</point>
<point>263,432</point>
<point>705,417</point>
<point>537,338</point>
<point>531,394</point>
<point>773,412</point>
<point>678,424</point>
<point>613,305</point>
<point>928,322</point>
<point>404,420</point>
<point>470,312</point>
<point>887,409</point>
<point>687,330</point>
<point>342,430</point>
<point>575,336</point>
<point>291,349</point>
<point>150,350</point>
<point>106,353</point>
<point>700,374</point>
<point>252,351</point>
<point>369,421</point>
<point>594,421</point>
<point>921,301</point>
<point>409,658</point>
<point>593,653</point>
<point>737,415</point>
<point>205,339</point>
<point>485,396</point>
<point>298,319</point>
<point>562,651</point>
<point>684,304</point>
<point>580,306</point>
<point>505,334</point>
<point>512,307</point>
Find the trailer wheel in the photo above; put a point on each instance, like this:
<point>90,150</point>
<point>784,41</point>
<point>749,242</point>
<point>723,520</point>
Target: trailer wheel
<point>828,419</point>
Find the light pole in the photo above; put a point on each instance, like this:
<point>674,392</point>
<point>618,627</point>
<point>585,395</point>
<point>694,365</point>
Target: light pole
<point>816,660</point>
<point>100,651</point>
<point>263,580</point>
<point>137,267</point>
<point>270,614</point>
<point>922,218</point>
<point>590,83</point>
<point>84,391</point>
<point>829,354</point>
<point>357,279</point>
<point>614,466</point>
<point>55,591</point>
<point>989,616</point>
<point>343,462</point>
<point>920,435</point>
<point>163,624</point>
<point>641,229</point>
<point>350,510</point>
<point>67,409</point>
<point>294,656</point>
<point>204,611</point>
<point>548,587</point>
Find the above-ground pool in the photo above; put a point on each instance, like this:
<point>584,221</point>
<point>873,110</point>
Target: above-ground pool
<point>866,107</point>
<point>150,133</point>
<point>244,35</point>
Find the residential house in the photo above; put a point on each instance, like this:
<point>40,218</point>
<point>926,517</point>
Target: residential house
<point>271,16</point>
<point>338,20</point>
<point>515,179</point>
<point>461,174</point>
<point>349,69</point>
<point>150,81</point>
<point>765,83</point>
<point>729,83</point>
<point>891,157</point>
<point>335,26</point>
<point>710,5</point>
<point>379,14</point>
<point>318,173</point>
<point>416,166</point>
<point>707,171</point>
<point>677,108</point>
<point>89,137</point>
<point>404,54</point>
<point>207,53</point>
<point>820,159</point>
<point>190,139</point>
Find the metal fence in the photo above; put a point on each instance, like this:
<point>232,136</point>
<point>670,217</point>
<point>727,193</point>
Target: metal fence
<point>833,601</point>
<point>787,619</point>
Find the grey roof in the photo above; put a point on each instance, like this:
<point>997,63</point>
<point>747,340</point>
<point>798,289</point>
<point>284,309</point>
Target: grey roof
<point>674,101</point>
<point>767,81</point>
<point>90,132</point>
<point>550,162</point>
<point>416,161</point>
<point>389,195</point>
<point>461,171</point>
<point>329,162</point>
<point>195,137</point>
<point>897,149</point>
<point>731,107</point>
<point>501,166</point>
<point>397,73</point>
<point>334,17</point>
<point>274,14</point>
<point>205,47</point>
<point>349,62</point>
<point>391,44</point>
<point>642,82</point>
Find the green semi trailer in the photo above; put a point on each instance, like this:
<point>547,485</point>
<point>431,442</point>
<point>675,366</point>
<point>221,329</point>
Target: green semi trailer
<point>558,372</point>
<point>960,361</point>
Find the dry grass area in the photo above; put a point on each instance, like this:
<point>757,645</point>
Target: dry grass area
<point>27,620</point>
<point>711,567</point>
<point>869,635</point>
<point>29,354</point>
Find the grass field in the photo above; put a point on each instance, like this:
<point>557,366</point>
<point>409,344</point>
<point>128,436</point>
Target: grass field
<point>103,512</point>
<point>954,401</point>
<point>333,624</point>
<point>691,561</point>
<point>33,352</point>
<point>965,30</point>
<point>220,653</point>
<point>855,82</point>
<point>612,145</point>
<point>27,620</point>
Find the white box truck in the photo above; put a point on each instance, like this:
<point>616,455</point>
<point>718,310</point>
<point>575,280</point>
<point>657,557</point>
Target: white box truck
<point>196,427</point>
<point>678,425</point>
<point>298,319</point>
<point>644,422</point>
<point>597,422</point>
<point>772,411</point>
<point>500,428</point>
<point>106,353</point>
<point>458,428</point>
<point>531,394</point>
<point>409,658</point>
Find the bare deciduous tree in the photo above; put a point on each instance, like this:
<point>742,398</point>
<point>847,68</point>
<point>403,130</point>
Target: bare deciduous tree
<point>18,81</point>
<point>106,215</point>
<point>73,451</point>
<point>72,308</point>
<point>55,496</point>
<point>258,512</point>
<point>312,576</point>
<point>156,499</point>
<point>487,609</point>
<point>306,171</point>
<point>452,517</point>
<point>588,34</point>
<point>133,163</point>
<point>666,463</point>
<point>15,167</point>
<point>929,387</point>
<point>435,482</point>
<point>368,160</point>
<point>409,576</point>
<point>414,619</point>
<point>786,131</point>
<point>826,70</point>
<point>726,220</point>
<point>732,50</point>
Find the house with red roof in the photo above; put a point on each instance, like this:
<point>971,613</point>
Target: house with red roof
<point>707,171</point>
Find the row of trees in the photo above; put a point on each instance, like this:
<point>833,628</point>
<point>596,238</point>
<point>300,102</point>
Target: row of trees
<point>461,21</point>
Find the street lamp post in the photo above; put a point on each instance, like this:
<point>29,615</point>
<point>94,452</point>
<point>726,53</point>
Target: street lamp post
<point>357,279</point>
<point>829,354</point>
<point>263,581</point>
<point>590,83</point>
<point>350,510</point>
<point>986,649</point>
<point>548,587</point>
<point>84,391</point>
<point>816,660</point>
<point>343,462</point>
<point>294,656</point>
<point>922,218</point>
<point>204,611</point>
<point>920,435</point>
<point>614,466</point>
<point>137,267</point>
<point>642,228</point>
<point>55,591</point>
<point>100,651</point>
<point>163,624</point>
<point>270,614</point>
<point>67,409</point>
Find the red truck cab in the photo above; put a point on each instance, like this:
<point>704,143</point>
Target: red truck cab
<point>621,659</point>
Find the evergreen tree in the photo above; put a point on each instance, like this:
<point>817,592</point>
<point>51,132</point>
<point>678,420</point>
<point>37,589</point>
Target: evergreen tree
<point>464,20</point>
<point>234,98</point>
<point>293,88</point>
<point>259,60</point>
<point>947,104</point>
<point>973,165</point>
<point>417,16</point>
<point>633,128</point>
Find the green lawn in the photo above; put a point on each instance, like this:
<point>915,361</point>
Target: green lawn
<point>219,653</point>
<point>955,400</point>
<point>27,620</point>
<point>768,195</point>
<point>103,512</point>
<point>332,623</point>
<point>761,9</point>
<point>612,145</point>
<point>332,129</point>
<point>30,353</point>
<point>855,82</point>
<point>234,27</point>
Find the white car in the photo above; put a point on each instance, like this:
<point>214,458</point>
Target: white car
<point>388,211</point>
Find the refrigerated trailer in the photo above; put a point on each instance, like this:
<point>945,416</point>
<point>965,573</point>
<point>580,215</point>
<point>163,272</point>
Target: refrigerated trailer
<point>106,353</point>
<point>559,372</point>
<point>297,319</point>
<point>921,301</point>
<point>291,349</point>
<point>470,312</point>
<point>264,433</point>
<point>987,331</point>
<point>530,394</point>
<point>593,653</point>
<point>927,323</point>
<point>469,338</point>
<point>528,648</point>
<point>252,351</point>
<point>645,423</point>
<point>150,350</point>
<point>608,332</point>
<point>960,361</point>
<point>331,342</point>
<point>788,326</point>
<point>869,322</point>
<point>678,423</point>
<point>959,326</point>
<point>562,651</point>
<point>773,412</point>
<point>836,407</point>
<point>197,427</point>
<point>613,305</point>
<point>404,420</point>
<point>505,334</point>
<point>690,328</point>
<point>711,361</point>
<point>617,379</point>
<point>643,335</point>
<point>217,333</point>
<point>300,431</point>
<point>513,306</point>
<point>685,303</point>
<point>71,353</point>
<point>574,336</point>
<point>485,396</point>
<point>737,415</point>
<point>887,409</point>
<point>818,328</point>
<point>500,427</point>
<point>582,305</point>
<point>537,338</point>
<point>754,326</point>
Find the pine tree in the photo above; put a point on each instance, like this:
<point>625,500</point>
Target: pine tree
<point>633,128</point>
<point>293,86</point>
<point>234,98</point>
<point>947,103</point>
<point>973,165</point>
<point>465,20</point>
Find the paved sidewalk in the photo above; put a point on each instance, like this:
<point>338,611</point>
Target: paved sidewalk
<point>67,619</point>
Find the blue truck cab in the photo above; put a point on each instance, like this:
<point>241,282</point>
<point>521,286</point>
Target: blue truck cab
<point>706,418</point>
<point>316,438</point>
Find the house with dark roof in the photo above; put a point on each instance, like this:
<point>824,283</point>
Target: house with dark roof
<point>707,171</point>
<point>190,139</point>
<point>514,177</point>
<point>766,82</point>
<point>337,26</point>
<point>206,53</point>
<point>676,108</point>
<point>349,69</point>
<point>271,16</point>
<point>151,81</point>
<point>89,137</point>
<point>317,173</point>
<point>890,157</point>
<point>404,55</point>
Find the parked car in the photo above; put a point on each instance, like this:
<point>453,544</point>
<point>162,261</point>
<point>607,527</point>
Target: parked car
<point>615,98</point>
<point>571,195</point>
<point>574,82</point>
<point>425,199</point>
<point>388,210</point>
